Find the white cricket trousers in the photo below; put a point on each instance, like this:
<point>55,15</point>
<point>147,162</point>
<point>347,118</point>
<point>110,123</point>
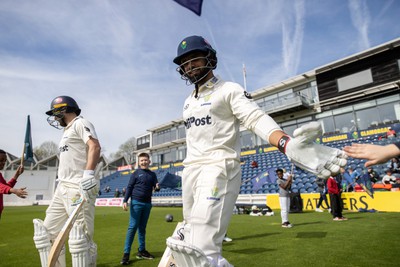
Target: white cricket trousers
<point>209,193</point>
<point>61,207</point>
<point>285,208</point>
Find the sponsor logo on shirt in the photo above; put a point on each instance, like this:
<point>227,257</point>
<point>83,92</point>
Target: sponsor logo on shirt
<point>193,121</point>
<point>63,148</point>
<point>87,129</point>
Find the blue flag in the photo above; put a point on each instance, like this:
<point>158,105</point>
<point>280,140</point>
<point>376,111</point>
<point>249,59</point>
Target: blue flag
<point>170,181</point>
<point>268,176</point>
<point>193,5</point>
<point>28,148</point>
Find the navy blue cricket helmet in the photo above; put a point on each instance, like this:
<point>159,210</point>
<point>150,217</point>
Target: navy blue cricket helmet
<point>194,43</point>
<point>191,45</point>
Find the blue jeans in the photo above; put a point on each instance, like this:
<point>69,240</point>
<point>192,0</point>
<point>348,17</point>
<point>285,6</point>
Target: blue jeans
<point>140,213</point>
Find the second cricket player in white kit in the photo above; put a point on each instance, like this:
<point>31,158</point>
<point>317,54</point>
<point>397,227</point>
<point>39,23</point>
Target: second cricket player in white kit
<point>79,153</point>
<point>211,179</point>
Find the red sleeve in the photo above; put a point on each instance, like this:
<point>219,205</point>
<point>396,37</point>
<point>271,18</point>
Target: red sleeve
<point>4,186</point>
<point>332,186</point>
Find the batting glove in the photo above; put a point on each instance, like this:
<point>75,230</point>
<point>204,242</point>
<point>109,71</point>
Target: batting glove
<point>88,185</point>
<point>323,161</point>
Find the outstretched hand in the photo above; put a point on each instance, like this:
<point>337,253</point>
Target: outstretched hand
<point>374,154</point>
<point>320,160</point>
<point>21,192</point>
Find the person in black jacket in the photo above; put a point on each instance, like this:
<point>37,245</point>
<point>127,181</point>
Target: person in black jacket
<point>140,189</point>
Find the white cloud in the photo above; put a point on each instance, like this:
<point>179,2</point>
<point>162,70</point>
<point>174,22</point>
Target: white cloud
<point>360,18</point>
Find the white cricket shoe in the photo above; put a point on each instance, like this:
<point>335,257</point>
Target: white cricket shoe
<point>227,239</point>
<point>318,210</point>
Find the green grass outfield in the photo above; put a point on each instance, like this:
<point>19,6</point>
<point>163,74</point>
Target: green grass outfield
<point>366,239</point>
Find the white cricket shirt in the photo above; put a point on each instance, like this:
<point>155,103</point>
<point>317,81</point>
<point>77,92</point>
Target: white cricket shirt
<point>213,119</point>
<point>73,150</point>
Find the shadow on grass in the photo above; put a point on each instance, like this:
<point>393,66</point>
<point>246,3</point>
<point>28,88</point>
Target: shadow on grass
<point>311,235</point>
<point>249,251</point>
<point>307,223</point>
<point>252,236</point>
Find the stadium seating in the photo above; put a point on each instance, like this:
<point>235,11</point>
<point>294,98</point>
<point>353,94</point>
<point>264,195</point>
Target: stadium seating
<point>304,182</point>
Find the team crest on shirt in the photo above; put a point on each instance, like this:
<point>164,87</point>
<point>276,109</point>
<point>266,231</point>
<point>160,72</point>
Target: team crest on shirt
<point>247,95</point>
<point>214,194</point>
<point>76,200</point>
<point>206,100</point>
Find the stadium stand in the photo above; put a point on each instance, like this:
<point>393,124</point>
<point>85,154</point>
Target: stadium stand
<point>304,182</point>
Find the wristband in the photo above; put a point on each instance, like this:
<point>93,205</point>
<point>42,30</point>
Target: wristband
<point>282,143</point>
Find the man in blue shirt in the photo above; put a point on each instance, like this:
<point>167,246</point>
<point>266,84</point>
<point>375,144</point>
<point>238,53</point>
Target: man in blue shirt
<point>140,189</point>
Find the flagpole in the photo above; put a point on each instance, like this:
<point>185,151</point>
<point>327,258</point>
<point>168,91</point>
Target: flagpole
<point>23,155</point>
<point>244,78</point>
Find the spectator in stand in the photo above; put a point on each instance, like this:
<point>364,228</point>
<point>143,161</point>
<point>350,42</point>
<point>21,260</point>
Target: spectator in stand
<point>391,133</point>
<point>374,176</point>
<point>347,181</point>
<point>394,165</point>
<point>123,191</point>
<point>284,197</point>
<point>389,178</point>
<point>117,193</point>
<point>107,189</point>
<point>8,187</point>
<point>335,191</point>
<point>254,164</point>
<point>323,190</point>
<point>397,184</point>
<point>354,174</point>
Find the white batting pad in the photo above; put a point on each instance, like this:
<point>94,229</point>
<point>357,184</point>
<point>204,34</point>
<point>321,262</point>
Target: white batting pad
<point>187,254</point>
<point>79,247</point>
<point>42,241</point>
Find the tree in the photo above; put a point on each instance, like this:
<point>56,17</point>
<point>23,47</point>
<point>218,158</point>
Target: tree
<point>45,150</point>
<point>126,149</point>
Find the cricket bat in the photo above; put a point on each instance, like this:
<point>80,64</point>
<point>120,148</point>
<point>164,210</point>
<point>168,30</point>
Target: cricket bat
<point>63,234</point>
<point>167,259</point>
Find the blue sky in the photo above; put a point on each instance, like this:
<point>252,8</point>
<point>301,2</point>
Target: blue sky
<point>115,57</point>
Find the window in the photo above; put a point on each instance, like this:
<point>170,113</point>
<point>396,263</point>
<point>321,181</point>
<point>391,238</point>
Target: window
<point>181,131</point>
<point>344,122</point>
<point>387,112</point>
<point>366,117</point>
<point>328,124</point>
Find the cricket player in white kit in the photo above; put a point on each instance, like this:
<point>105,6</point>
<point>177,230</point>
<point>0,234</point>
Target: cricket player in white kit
<point>79,154</point>
<point>211,179</point>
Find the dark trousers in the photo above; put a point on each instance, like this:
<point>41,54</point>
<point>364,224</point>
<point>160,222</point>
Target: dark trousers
<point>322,197</point>
<point>336,205</point>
